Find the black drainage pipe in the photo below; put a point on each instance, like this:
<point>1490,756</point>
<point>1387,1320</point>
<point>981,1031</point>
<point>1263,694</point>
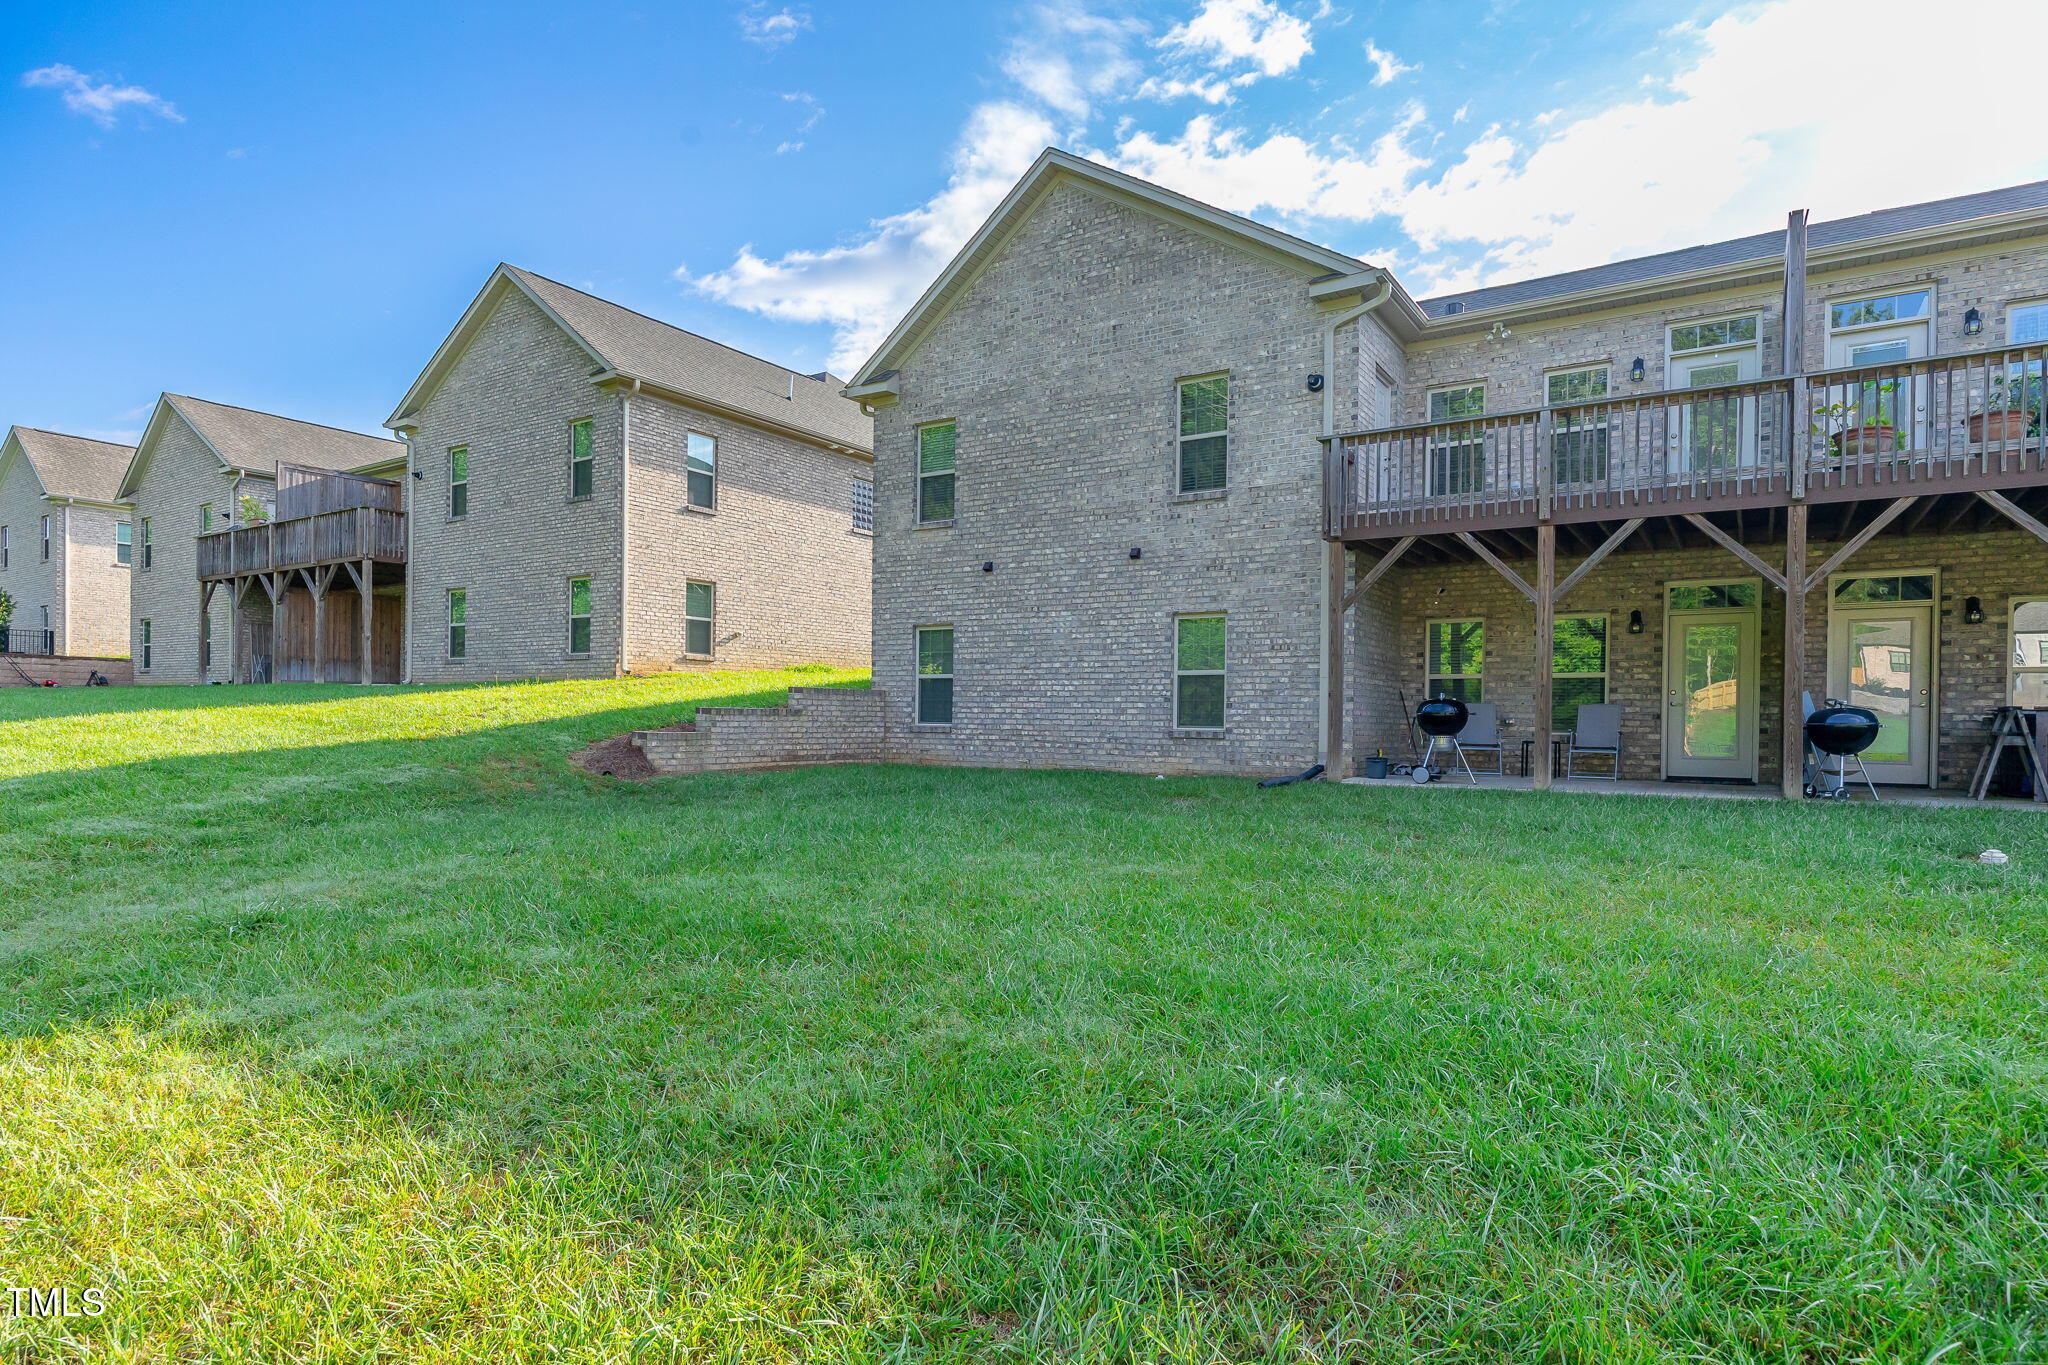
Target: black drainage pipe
<point>1305,775</point>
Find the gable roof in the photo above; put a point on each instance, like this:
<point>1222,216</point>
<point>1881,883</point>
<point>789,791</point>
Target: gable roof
<point>1052,167</point>
<point>72,466</point>
<point>635,346</point>
<point>255,442</point>
<point>1761,246</point>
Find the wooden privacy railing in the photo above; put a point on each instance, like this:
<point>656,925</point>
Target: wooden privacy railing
<point>302,542</point>
<point>1962,418</point>
<point>306,492</point>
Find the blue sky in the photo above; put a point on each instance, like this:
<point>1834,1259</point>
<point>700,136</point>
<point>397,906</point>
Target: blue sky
<point>287,207</point>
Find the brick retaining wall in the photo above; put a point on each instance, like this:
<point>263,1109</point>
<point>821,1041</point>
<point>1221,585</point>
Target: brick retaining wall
<point>818,725</point>
<point>64,670</point>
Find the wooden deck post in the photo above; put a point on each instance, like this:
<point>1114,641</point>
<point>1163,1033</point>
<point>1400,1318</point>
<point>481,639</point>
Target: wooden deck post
<point>1333,684</point>
<point>317,584</point>
<point>1546,629</point>
<point>276,586</point>
<point>363,585</point>
<point>1792,721</point>
<point>234,630</point>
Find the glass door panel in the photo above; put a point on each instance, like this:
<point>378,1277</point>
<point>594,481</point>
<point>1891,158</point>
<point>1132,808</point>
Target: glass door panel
<point>1881,659</point>
<point>1710,722</point>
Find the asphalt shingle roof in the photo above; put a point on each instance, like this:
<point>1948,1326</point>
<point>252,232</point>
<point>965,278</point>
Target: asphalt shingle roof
<point>259,441</point>
<point>685,363</point>
<point>75,466</point>
<point>1759,246</point>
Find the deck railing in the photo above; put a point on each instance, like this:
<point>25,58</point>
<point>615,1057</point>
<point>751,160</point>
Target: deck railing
<point>302,542</point>
<point>1932,419</point>
<point>23,640</point>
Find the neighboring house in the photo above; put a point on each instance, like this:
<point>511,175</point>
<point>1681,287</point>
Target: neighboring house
<point>209,564</point>
<point>595,493</point>
<point>1159,488</point>
<point>64,543</point>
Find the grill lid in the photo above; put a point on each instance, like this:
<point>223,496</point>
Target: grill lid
<point>1842,730</point>
<point>1441,716</point>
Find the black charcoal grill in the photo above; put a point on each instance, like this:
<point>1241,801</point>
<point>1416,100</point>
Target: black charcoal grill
<point>1836,736</point>
<point>1441,720</point>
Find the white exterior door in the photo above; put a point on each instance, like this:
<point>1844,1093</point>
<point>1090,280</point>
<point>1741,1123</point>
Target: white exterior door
<point>1710,716</point>
<point>1715,433</point>
<point>1882,657</point>
<point>1891,399</point>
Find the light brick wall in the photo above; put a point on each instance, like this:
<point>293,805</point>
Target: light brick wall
<point>1994,565</point>
<point>1990,280</point>
<point>28,579</point>
<point>510,398</point>
<point>791,573</point>
<point>96,583</point>
<point>182,474</point>
<point>1059,365</point>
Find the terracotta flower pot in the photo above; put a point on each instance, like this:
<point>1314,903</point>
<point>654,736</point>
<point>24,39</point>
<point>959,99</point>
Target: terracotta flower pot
<point>2004,425</point>
<point>1870,440</point>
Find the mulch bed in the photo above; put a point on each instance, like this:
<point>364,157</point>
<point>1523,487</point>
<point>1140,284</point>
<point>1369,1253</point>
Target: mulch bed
<point>620,757</point>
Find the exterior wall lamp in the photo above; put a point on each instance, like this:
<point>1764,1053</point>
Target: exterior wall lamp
<point>1973,610</point>
<point>1973,322</point>
<point>1635,371</point>
<point>1635,618</point>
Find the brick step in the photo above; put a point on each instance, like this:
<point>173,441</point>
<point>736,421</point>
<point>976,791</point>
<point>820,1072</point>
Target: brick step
<point>817,725</point>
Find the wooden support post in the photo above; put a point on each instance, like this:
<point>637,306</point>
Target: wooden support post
<point>275,585</point>
<point>1378,570</point>
<point>1333,700</point>
<point>2017,514</point>
<point>1792,720</point>
<point>317,585</point>
<point>1739,550</point>
<point>1857,542</point>
<point>234,630</point>
<point>1546,629</point>
<point>363,585</point>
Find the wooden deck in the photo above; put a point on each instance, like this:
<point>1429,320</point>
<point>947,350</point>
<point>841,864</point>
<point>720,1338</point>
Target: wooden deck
<point>352,534</point>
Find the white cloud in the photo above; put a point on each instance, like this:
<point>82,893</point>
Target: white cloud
<point>772,28</point>
<point>1281,173</point>
<point>813,111</point>
<point>102,102</point>
<point>1386,67</point>
<point>861,289</point>
<point>1225,33</point>
<point>1069,56</point>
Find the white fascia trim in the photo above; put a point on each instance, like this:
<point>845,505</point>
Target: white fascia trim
<point>718,409</point>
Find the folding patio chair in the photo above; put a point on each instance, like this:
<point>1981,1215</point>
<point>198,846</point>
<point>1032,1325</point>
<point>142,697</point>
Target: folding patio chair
<point>1481,734</point>
<point>1596,730</point>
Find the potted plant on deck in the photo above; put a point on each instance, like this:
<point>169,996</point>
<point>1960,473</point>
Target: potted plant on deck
<point>2011,411</point>
<point>1861,425</point>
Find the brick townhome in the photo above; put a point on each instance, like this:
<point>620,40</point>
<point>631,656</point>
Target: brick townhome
<point>1159,488</point>
<point>205,483</point>
<point>64,543</point>
<point>595,492</point>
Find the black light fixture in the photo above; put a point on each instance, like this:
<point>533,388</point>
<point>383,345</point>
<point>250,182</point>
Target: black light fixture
<point>1315,383</point>
<point>1973,322</point>
<point>419,474</point>
<point>1635,371</point>
<point>1137,553</point>
<point>1973,610</point>
<point>1635,623</point>
<point>988,566</point>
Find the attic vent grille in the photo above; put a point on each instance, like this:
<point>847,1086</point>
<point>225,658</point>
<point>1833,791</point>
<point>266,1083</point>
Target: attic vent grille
<point>1453,309</point>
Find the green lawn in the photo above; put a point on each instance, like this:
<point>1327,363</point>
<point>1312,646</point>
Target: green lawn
<point>346,1026</point>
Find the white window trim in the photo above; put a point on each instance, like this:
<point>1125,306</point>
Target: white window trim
<point>1605,368</point>
<point>918,675</point>
<point>1181,438</point>
<point>454,483</point>
<point>1606,673</point>
<point>145,644</point>
<point>1428,677</point>
<point>448,639</point>
<point>129,527</point>
<point>1223,672</point>
<point>45,540</point>
<point>689,501</point>
<point>711,621</point>
<point>1429,402</point>
<point>1728,581</point>
<point>569,619</point>
<point>917,515</point>
<point>1672,352</point>
<point>569,473</point>
<point>2014,307</point>
<point>2014,670</point>
<point>1926,319</point>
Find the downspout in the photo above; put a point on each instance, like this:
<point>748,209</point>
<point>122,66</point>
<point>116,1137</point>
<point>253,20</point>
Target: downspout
<point>625,517</point>
<point>1327,615</point>
<point>409,604</point>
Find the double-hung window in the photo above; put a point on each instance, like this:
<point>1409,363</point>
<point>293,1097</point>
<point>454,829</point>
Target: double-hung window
<point>46,537</point>
<point>1578,667</point>
<point>1200,657</point>
<point>1205,434</point>
<point>148,643</point>
<point>936,445</point>
<point>1456,653</point>
<point>458,623</point>
<point>935,675</point>
<point>1578,438</point>
<point>579,616</point>
<point>205,518</point>
<point>701,466</point>
<point>2030,652</point>
<point>2026,324</point>
<point>5,552</point>
<point>148,546</point>
<point>700,602</point>
<point>1457,452</point>
<point>582,457</point>
<point>124,542</point>
<point>458,481</point>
